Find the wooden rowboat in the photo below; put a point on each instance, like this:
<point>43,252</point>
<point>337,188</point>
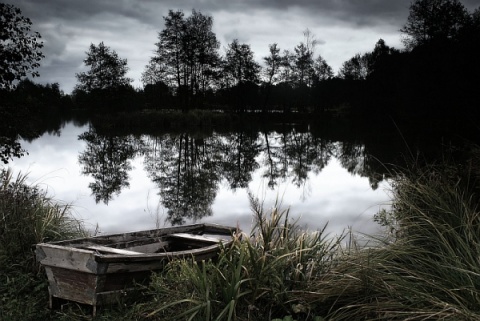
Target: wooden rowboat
<point>97,270</point>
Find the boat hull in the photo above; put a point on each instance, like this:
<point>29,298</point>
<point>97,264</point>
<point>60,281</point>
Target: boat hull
<point>100,270</point>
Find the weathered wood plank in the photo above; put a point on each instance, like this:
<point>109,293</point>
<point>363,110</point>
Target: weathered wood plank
<point>94,270</point>
<point>194,237</point>
<point>111,250</point>
<point>150,248</point>
<point>67,258</point>
<point>72,285</point>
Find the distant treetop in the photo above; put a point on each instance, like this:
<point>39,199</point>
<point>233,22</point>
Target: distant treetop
<point>107,70</point>
<point>433,20</point>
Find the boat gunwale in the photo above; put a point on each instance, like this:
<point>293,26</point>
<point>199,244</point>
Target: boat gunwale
<point>120,258</point>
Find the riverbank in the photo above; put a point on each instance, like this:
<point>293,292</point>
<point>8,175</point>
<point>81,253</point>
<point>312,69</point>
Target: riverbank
<point>424,267</point>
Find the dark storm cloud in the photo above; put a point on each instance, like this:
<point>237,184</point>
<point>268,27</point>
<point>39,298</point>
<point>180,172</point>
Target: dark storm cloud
<point>360,12</point>
<point>150,11</point>
<point>349,11</point>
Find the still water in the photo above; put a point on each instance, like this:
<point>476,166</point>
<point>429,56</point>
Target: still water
<point>126,183</point>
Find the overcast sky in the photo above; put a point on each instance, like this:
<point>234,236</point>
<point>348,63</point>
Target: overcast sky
<point>342,28</point>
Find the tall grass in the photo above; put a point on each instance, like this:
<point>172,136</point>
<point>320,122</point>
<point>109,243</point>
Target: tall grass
<point>428,269</point>
<point>255,279</point>
<point>27,216</point>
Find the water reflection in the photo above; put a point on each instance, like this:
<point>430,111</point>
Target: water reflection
<point>327,172</point>
<point>107,159</point>
<point>185,169</point>
<point>237,154</point>
<point>188,168</point>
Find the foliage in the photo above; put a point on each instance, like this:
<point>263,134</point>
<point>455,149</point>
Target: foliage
<point>26,111</point>
<point>273,64</point>
<point>186,57</point>
<point>20,55</point>
<point>433,20</point>
<point>9,148</point>
<point>27,217</point>
<point>322,70</point>
<point>107,70</point>
<point>252,280</point>
<point>302,70</point>
<point>20,48</point>
<point>239,65</point>
<point>359,67</point>
<point>427,268</point>
<point>356,68</point>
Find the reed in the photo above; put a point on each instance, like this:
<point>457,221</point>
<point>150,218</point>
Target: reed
<point>255,279</point>
<point>428,267</point>
<point>27,216</point>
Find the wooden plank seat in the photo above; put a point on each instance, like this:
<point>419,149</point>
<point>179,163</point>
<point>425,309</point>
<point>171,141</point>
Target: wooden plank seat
<point>111,250</point>
<point>195,237</point>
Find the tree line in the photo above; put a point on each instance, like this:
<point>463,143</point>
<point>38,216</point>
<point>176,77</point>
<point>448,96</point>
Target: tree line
<point>433,77</point>
<point>187,70</point>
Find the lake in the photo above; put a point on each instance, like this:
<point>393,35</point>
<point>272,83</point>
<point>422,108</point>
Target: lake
<point>120,183</point>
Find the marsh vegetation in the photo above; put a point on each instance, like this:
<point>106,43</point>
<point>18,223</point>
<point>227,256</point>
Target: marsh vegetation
<point>425,266</point>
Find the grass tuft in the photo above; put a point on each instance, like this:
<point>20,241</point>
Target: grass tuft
<point>255,279</point>
<point>27,216</point>
<point>429,268</point>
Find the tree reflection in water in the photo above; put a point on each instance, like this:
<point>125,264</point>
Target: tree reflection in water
<point>186,171</point>
<point>189,168</point>
<point>107,159</point>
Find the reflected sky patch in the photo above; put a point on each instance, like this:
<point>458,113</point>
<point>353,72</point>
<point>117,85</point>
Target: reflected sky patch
<point>333,196</point>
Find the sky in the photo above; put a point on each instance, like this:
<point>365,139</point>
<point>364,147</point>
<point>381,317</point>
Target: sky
<point>342,28</point>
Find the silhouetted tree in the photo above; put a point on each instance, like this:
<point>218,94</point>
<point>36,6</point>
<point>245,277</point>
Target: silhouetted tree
<point>475,19</point>
<point>240,76</point>
<point>107,70</point>
<point>186,55</point>
<point>202,51</point>
<point>433,20</point>
<point>321,70</point>
<point>303,60</point>
<point>273,63</point>
<point>287,67</point>
<point>40,99</point>
<point>20,55</point>
<point>379,56</point>
<point>359,67</point>
<point>356,68</point>
<point>322,74</point>
<point>239,65</point>
<point>298,72</point>
<point>155,73</point>
<point>20,48</point>
<point>271,72</point>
